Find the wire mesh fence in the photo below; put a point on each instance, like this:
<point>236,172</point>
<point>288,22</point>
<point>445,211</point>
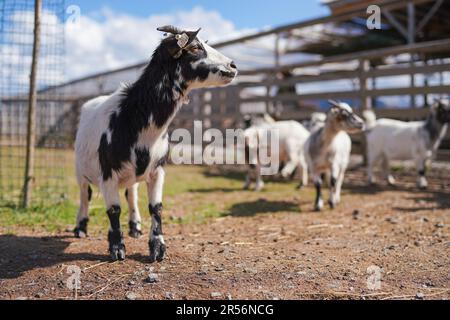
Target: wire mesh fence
<point>16,45</point>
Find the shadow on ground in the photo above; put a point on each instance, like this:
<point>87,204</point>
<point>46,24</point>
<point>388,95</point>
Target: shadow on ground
<point>248,209</point>
<point>24,253</point>
<point>212,190</point>
<point>431,195</point>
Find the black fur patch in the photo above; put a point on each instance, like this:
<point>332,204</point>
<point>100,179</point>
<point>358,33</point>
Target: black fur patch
<point>126,193</point>
<point>432,128</point>
<point>89,193</point>
<point>156,212</point>
<point>142,160</point>
<point>82,226</point>
<point>114,217</point>
<point>423,172</point>
<point>318,192</point>
<point>333,182</point>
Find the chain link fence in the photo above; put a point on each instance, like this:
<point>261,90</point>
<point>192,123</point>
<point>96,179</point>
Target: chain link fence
<point>52,163</point>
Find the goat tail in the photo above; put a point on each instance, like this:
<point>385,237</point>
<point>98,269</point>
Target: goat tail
<point>370,119</point>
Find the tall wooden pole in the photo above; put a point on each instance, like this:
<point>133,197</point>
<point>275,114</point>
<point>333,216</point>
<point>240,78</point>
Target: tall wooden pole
<point>31,124</point>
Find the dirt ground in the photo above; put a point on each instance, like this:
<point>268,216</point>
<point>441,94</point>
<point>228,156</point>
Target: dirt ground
<point>262,249</point>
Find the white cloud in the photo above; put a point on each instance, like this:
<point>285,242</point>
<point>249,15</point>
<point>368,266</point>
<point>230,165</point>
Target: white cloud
<point>16,50</point>
<point>116,40</point>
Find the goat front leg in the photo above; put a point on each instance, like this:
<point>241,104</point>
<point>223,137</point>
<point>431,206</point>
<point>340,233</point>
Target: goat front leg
<point>248,178</point>
<point>110,191</point>
<point>339,182</point>
<point>134,220</point>
<point>387,171</point>
<point>303,168</point>
<point>259,181</point>
<point>318,181</point>
<point>289,168</point>
<point>421,165</point>
<point>156,243</point>
<point>80,230</point>
<point>334,176</point>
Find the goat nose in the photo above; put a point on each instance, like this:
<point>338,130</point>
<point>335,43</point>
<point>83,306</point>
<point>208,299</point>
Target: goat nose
<point>233,65</point>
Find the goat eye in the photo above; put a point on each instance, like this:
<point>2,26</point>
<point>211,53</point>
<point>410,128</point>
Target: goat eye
<point>195,50</point>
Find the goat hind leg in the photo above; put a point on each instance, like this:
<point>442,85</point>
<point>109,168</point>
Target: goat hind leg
<point>156,243</point>
<point>387,171</point>
<point>110,191</point>
<point>259,185</point>
<point>80,230</point>
<point>248,178</point>
<point>134,220</point>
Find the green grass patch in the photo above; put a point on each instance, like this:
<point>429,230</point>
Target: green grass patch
<point>192,194</point>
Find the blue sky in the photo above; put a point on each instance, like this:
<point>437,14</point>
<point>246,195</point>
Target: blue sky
<point>243,13</point>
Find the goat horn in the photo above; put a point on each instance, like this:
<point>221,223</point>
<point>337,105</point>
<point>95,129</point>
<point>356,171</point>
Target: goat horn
<point>170,29</point>
<point>334,103</point>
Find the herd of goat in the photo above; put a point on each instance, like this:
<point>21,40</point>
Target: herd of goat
<point>122,139</point>
<point>323,145</point>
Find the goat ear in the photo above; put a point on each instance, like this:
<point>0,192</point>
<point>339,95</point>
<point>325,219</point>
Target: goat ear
<point>192,35</point>
<point>169,29</point>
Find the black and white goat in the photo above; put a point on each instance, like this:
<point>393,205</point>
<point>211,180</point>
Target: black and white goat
<point>122,138</point>
<point>328,149</point>
<point>389,139</point>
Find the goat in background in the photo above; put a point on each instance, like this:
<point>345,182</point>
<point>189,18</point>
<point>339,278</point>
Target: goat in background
<point>389,139</point>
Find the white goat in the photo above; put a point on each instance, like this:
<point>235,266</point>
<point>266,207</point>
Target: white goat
<point>389,139</point>
<point>316,122</point>
<point>292,136</point>
<point>122,139</point>
<point>328,149</point>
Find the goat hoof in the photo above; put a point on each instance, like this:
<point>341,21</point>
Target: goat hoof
<point>134,230</point>
<point>391,181</point>
<point>331,204</point>
<point>157,248</point>
<point>78,233</point>
<point>117,252</point>
<point>116,245</point>
<point>80,230</point>
<point>319,205</point>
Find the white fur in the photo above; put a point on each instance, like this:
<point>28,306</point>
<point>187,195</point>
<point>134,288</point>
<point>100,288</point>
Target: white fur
<point>292,136</point>
<point>94,121</point>
<point>389,139</point>
<point>213,57</point>
<point>328,150</point>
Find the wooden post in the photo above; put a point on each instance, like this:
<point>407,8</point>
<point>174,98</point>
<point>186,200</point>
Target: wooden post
<point>365,100</point>
<point>411,39</point>
<point>31,124</point>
